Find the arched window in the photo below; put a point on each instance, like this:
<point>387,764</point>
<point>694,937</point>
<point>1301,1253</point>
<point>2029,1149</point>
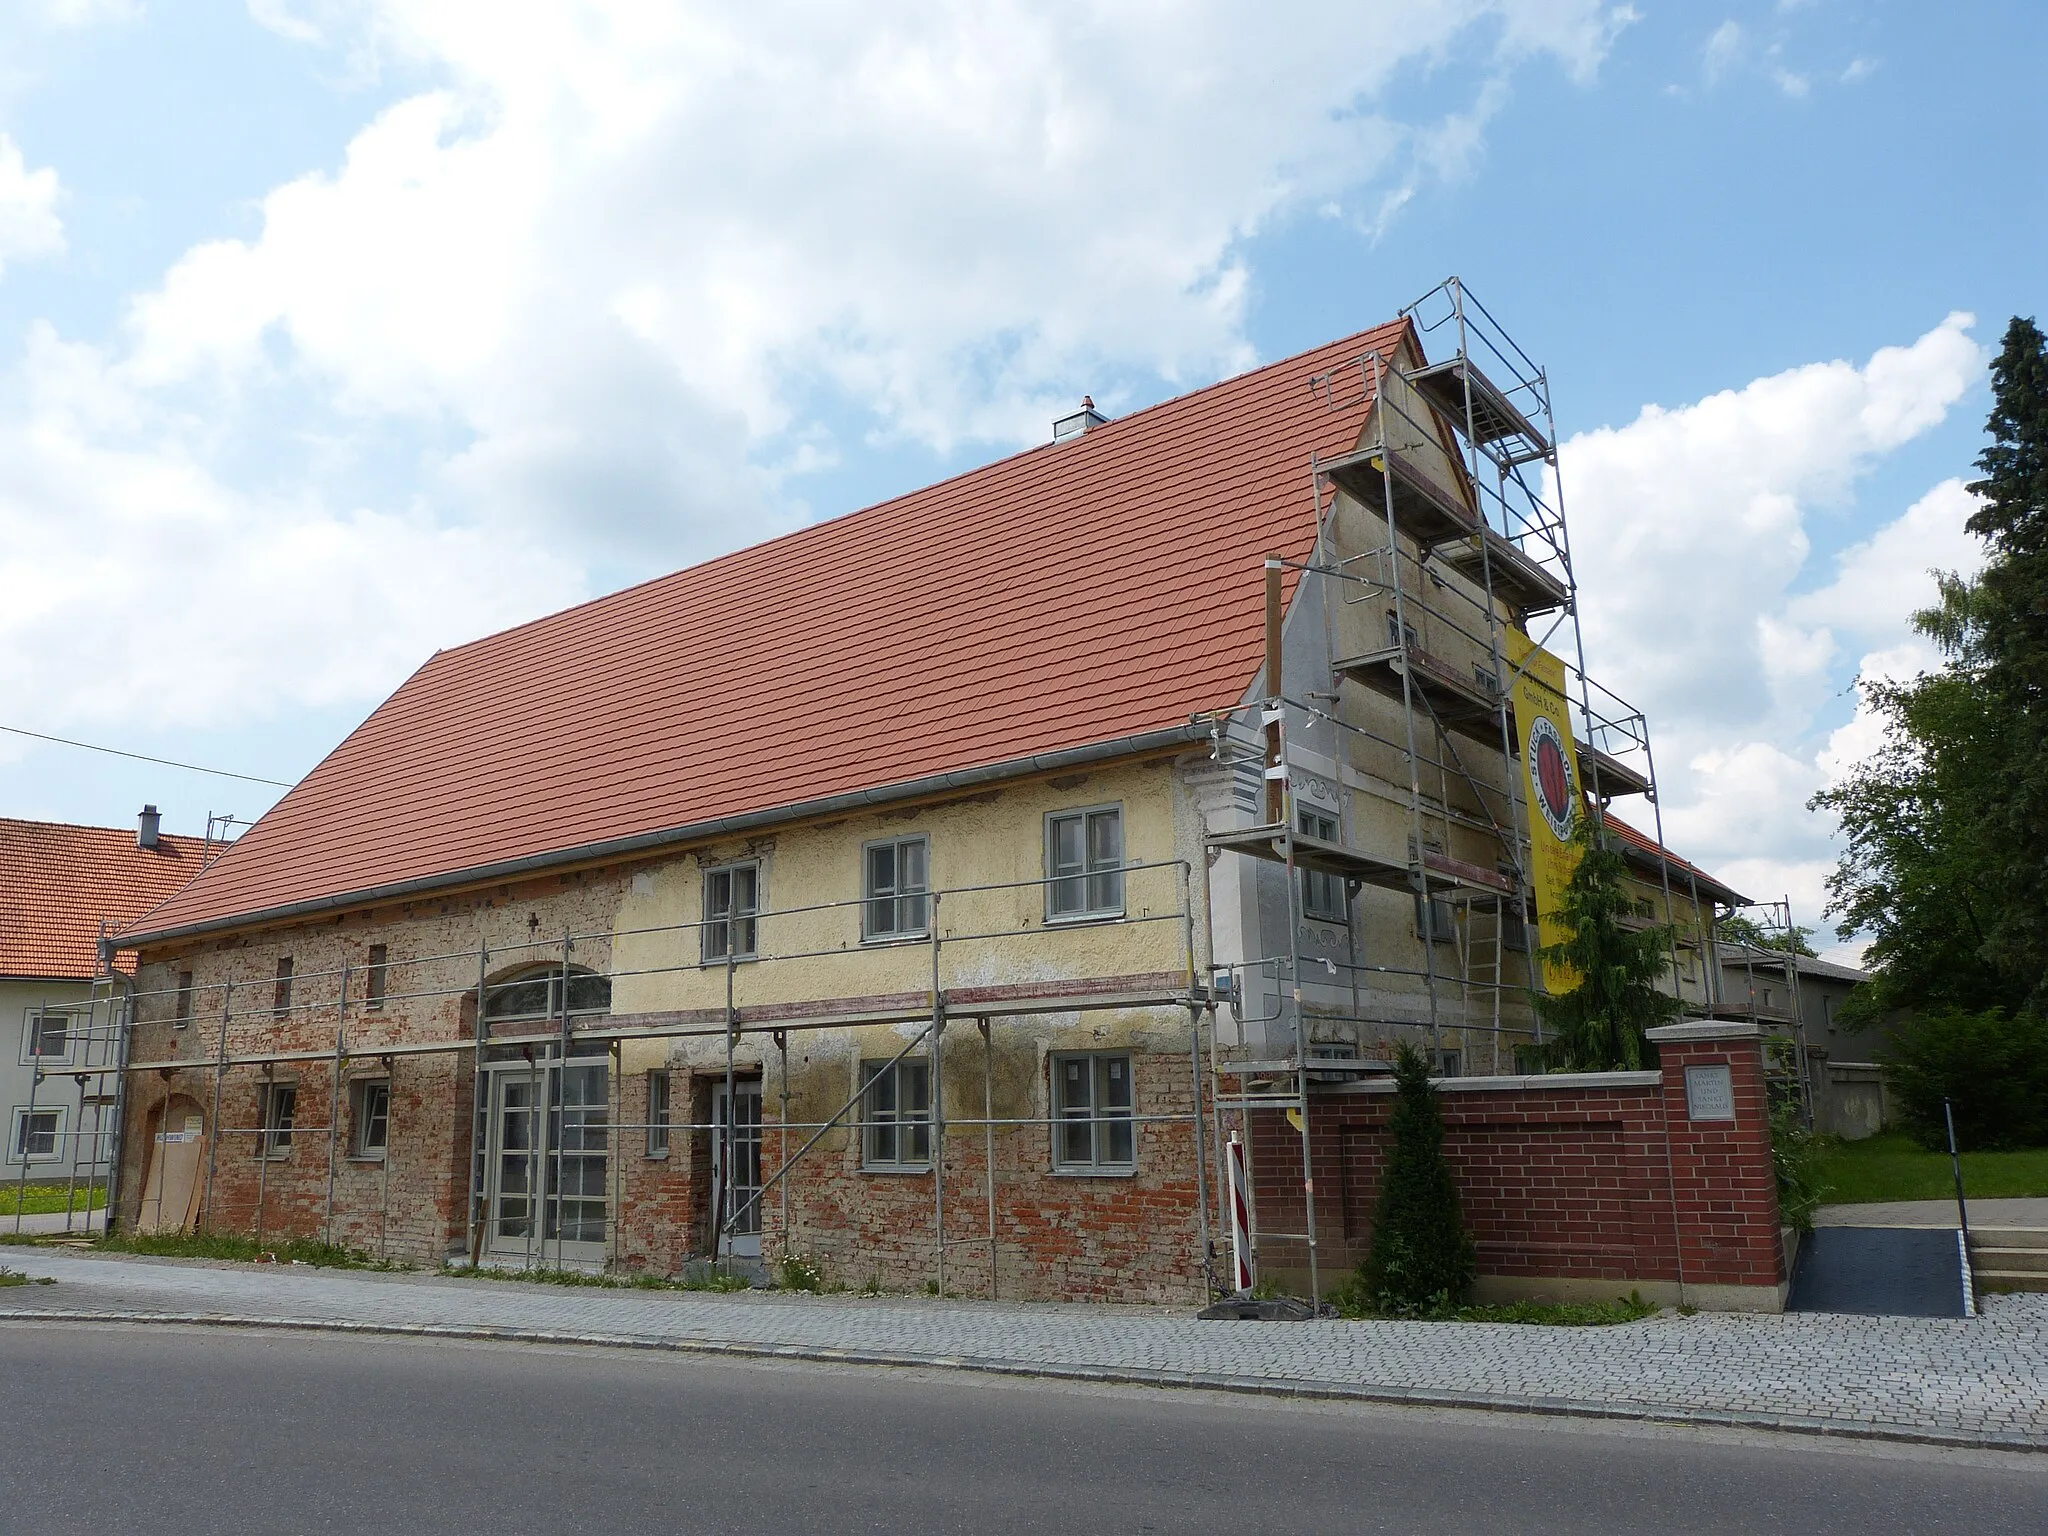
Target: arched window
<point>537,994</point>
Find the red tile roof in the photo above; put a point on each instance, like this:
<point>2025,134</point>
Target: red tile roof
<point>58,882</point>
<point>1682,871</point>
<point>1078,593</point>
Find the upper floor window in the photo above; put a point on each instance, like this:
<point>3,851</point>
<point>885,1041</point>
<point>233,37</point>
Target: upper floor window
<point>376,976</point>
<point>45,1036</point>
<point>537,994</point>
<point>281,996</point>
<point>1084,863</point>
<point>732,901</point>
<point>1436,920</point>
<point>184,999</point>
<point>896,889</point>
<point>1323,897</point>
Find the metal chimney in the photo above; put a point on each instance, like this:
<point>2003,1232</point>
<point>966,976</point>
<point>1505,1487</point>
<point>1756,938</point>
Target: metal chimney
<point>1073,426</point>
<point>146,827</point>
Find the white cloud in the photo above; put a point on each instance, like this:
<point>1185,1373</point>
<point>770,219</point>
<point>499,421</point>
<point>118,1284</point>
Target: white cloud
<point>143,590</point>
<point>1723,51</point>
<point>613,272</point>
<point>86,13</point>
<point>706,219</point>
<point>29,226</point>
<point>1692,536</point>
<point>1858,69</point>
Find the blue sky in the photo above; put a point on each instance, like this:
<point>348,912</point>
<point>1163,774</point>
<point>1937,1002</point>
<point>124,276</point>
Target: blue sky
<point>335,330</point>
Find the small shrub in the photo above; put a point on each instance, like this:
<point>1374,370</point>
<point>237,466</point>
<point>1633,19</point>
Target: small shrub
<point>1421,1254</point>
<point>1993,1068</point>
<point>1796,1157</point>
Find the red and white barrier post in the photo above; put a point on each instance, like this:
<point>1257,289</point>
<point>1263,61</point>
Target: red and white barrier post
<point>1240,1216</point>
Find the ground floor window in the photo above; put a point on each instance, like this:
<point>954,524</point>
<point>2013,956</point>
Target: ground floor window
<point>36,1136</point>
<point>896,1110</point>
<point>657,1114</point>
<point>277,1110</point>
<point>1093,1107</point>
<point>369,1103</point>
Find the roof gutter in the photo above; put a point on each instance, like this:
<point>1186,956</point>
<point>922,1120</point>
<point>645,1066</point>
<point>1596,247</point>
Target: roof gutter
<point>695,832</point>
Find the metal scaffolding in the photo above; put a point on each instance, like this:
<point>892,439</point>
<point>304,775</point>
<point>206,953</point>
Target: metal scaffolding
<point>543,1009</point>
<point>1495,522</point>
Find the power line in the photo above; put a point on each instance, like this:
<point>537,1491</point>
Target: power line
<point>141,757</point>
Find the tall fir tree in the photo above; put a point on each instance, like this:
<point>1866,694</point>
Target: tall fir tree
<point>1603,1023</point>
<point>2010,616</point>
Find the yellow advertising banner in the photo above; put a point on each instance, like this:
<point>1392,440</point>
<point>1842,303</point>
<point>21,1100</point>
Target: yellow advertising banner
<point>1550,781</point>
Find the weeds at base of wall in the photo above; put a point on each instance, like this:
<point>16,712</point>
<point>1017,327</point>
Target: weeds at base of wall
<point>234,1247</point>
<point>1554,1314</point>
<point>696,1277</point>
<point>16,1277</point>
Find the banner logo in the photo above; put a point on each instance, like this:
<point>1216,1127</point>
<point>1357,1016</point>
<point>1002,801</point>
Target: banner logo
<point>1550,769</point>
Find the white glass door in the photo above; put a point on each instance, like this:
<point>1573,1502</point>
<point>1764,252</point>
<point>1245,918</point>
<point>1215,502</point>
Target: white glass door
<point>546,1161</point>
<point>736,1169</point>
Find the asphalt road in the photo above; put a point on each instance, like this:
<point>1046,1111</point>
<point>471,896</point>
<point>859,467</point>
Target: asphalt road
<point>157,1429</point>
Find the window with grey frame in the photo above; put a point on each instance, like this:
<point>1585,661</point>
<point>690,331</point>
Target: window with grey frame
<point>1084,864</point>
<point>1436,920</point>
<point>369,1105</point>
<point>277,1111</point>
<point>1323,897</point>
<point>896,889</point>
<point>1093,1112</point>
<point>45,1036</point>
<point>36,1136</point>
<point>732,905</point>
<point>896,1115</point>
<point>657,1112</point>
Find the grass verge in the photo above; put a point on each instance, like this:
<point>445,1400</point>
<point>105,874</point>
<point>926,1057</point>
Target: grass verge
<point>16,1277</point>
<point>1895,1167</point>
<point>48,1199</point>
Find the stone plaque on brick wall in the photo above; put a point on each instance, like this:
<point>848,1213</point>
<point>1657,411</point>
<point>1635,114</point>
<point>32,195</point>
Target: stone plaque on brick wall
<point>1710,1092</point>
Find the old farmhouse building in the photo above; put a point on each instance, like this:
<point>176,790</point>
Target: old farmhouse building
<point>929,893</point>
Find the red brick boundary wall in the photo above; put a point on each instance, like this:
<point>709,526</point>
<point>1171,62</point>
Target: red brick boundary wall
<point>1575,1186</point>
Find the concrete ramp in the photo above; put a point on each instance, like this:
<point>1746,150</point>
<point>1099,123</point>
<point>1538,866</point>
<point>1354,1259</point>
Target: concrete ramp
<point>1879,1272</point>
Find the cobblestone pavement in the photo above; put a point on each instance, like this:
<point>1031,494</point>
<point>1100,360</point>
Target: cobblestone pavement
<point>2032,1212</point>
<point>1979,1381</point>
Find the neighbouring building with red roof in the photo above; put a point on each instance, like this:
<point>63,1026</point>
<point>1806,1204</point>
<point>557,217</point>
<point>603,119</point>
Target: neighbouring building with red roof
<point>927,893</point>
<point>63,889</point>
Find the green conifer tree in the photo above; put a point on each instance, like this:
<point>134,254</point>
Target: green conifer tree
<point>2010,612</point>
<point>1421,1255</point>
<point>1603,1023</point>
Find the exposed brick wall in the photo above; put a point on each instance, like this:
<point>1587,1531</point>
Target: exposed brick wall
<point>1572,1181</point>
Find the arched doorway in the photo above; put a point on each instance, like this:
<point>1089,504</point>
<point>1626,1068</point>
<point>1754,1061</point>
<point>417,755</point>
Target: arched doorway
<point>177,1153</point>
<point>546,1143</point>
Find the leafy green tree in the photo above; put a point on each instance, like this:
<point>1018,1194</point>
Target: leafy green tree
<point>1946,826</point>
<point>1421,1258</point>
<point>1603,1023</point>
<point>1992,1068</point>
<point>1737,929</point>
